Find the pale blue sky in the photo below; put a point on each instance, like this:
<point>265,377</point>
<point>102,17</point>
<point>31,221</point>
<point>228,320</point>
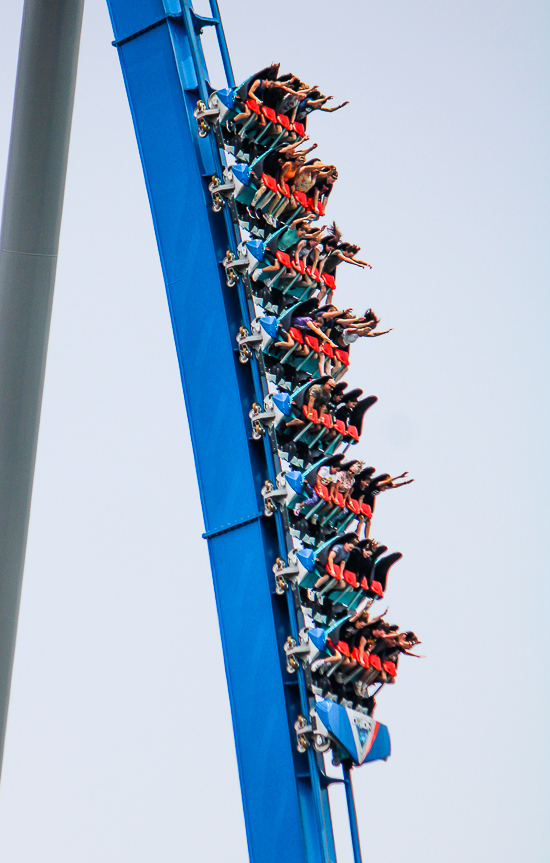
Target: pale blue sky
<point>119,745</point>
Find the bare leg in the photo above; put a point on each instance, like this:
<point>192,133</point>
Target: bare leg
<point>288,342</point>
<point>259,194</point>
<point>244,115</point>
<point>273,268</point>
<point>283,204</point>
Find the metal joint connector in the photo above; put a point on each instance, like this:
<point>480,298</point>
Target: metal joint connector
<point>283,574</point>
<point>232,264</point>
<point>303,733</point>
<point>221,189</point>
<point>274,496</point>
<point>262,419</point>
<point>246,341</point>
<point>204,116</point>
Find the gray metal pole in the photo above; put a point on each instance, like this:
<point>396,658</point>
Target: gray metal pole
<point>33,203</point>
<point>352,815</point>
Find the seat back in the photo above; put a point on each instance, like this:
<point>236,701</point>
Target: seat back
<point>350,578</point>
<point>314,414</point>
<point>383,567</point>
<point>312,342</point>
<point>283,258</point>
<point>253,106</point>
<point>301,198</point>
<point>343,648</point>
<point>343,356</point>
<point>269,182</point>
<point>297,336</point>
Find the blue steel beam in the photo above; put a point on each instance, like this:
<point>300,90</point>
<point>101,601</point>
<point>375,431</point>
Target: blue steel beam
<point>284,797</point>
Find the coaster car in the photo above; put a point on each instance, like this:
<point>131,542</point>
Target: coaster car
<point>322,432</point>
<point>353,736</point>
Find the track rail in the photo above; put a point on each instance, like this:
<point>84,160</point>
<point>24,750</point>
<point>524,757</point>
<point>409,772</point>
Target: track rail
<point>284,791</point>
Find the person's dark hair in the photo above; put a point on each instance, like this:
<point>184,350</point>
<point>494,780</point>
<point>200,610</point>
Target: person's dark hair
<point>312,161</point>
<point>269,73</point>
<point>370,316</point>
<point>335,231</point>
<point>410,636</point>
<point>288,76</point>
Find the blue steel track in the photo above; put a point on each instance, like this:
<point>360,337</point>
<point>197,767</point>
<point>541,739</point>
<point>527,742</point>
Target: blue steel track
<point>284,792</point>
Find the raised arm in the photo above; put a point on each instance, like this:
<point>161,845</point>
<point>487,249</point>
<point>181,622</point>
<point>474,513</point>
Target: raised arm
<point>333,314</point>
<point>317,103</point>
<point>357,260</point>
<point>351,261</point>
<point>320,333</point>
<point>291,148</point>
<point>345,322</point>
<point>336,108</point>
<point>372,335</point>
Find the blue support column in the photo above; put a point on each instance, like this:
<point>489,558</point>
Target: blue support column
<point>286,807</point>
